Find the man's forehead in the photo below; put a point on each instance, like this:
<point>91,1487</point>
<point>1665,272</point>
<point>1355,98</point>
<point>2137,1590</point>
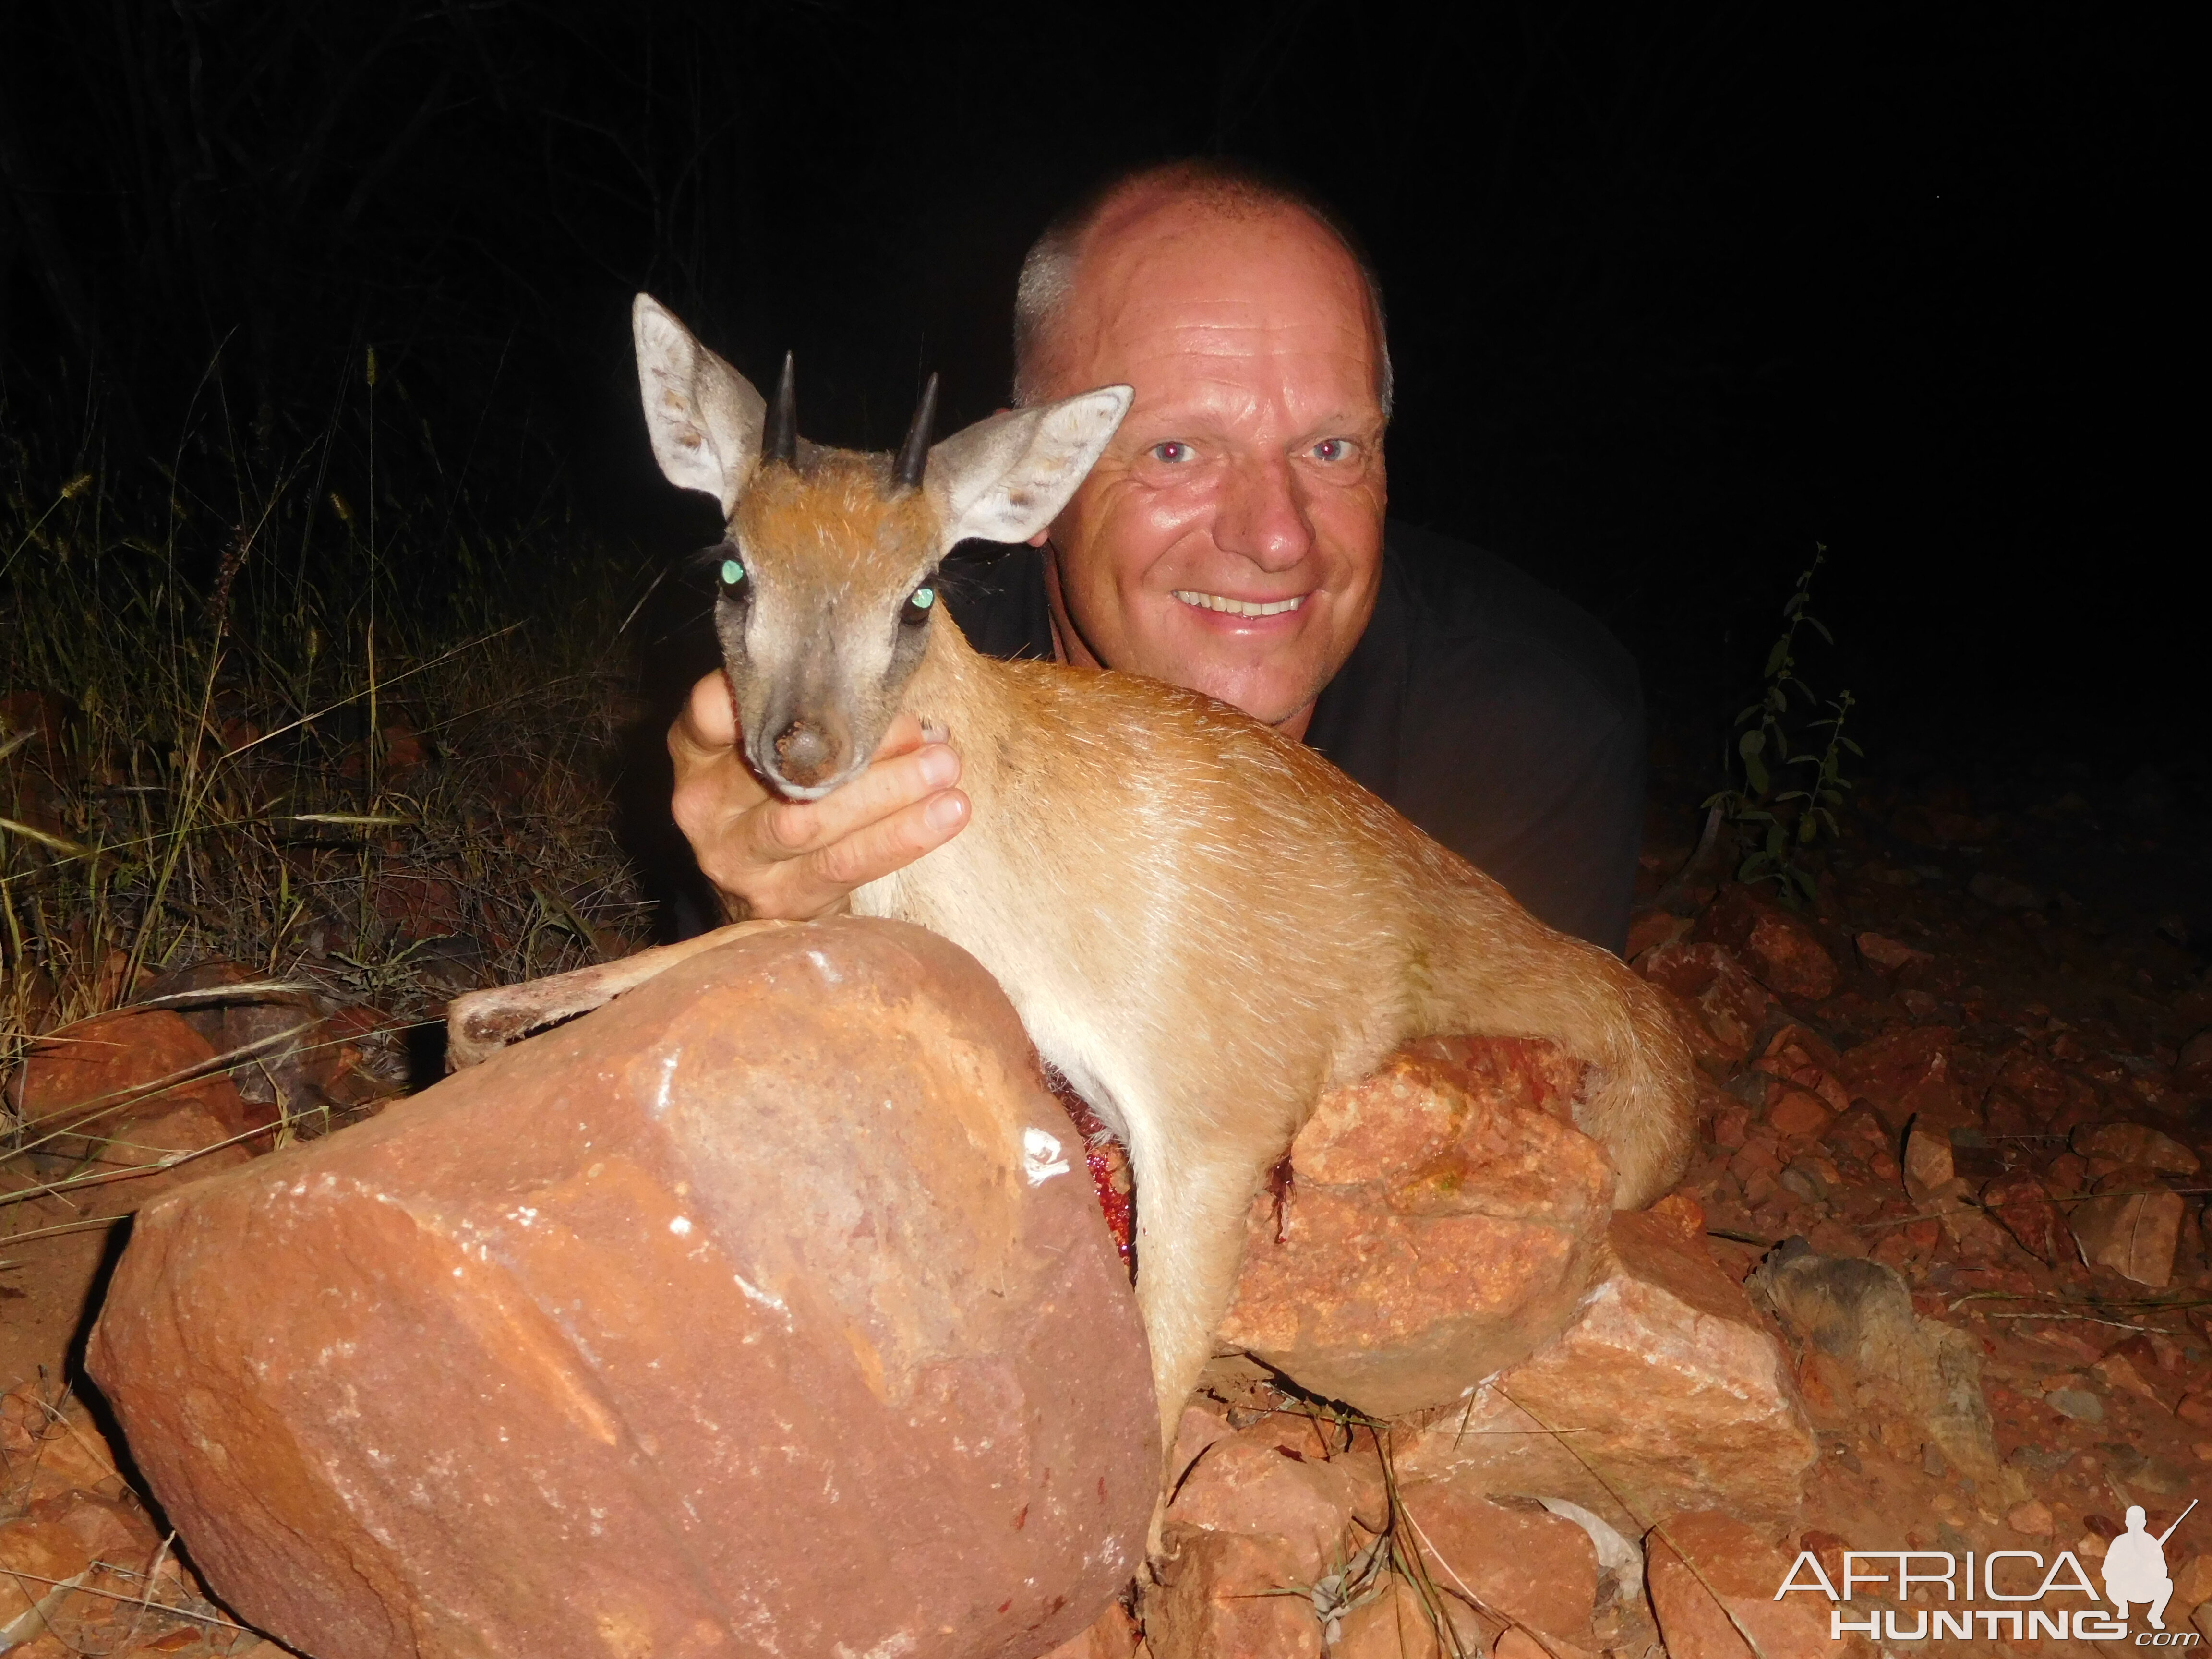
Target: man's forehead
<point>1177,266</point>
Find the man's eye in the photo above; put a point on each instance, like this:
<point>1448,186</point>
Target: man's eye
<point>1172,451</point>
<point>1333,449</point>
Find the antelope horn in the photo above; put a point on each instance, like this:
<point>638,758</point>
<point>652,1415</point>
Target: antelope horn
<point>913,455</point>
<point>782,443</point>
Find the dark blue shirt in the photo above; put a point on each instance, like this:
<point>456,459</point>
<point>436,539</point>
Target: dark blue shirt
<point>1500,717</point>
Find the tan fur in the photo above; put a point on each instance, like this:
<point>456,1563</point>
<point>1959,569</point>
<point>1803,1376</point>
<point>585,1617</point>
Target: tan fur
<point>1202,924</point>
<point>1206,926</point>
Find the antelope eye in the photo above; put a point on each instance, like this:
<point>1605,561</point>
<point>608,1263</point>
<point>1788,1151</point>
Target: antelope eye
<point>918,603</point>
<point>733,572</point>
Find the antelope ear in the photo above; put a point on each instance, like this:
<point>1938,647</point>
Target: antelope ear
<point>1004,480</point>
<point>704,416</point>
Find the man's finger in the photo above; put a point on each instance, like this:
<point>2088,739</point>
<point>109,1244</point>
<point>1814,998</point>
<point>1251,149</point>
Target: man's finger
<point>870,853</point>
<point>707,721</point>
<point>788,829</point>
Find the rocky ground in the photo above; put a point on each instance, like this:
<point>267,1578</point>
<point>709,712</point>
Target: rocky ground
<point>1936,1280</point>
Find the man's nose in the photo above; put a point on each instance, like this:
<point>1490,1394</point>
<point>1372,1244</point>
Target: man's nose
<point>1260,517</point>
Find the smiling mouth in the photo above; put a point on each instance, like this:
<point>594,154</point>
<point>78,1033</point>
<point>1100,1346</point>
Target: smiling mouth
<point>1238,607</point>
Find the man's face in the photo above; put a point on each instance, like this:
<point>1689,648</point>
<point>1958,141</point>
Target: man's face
<point>1230,538</point>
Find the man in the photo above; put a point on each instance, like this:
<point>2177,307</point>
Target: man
<point>1232,540</point>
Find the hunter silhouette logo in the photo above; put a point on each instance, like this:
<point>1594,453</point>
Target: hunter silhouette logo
<point>2135,1567</point>
<point>2134,1571</point>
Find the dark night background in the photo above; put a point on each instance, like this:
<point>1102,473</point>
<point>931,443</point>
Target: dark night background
<point>1676,291</point>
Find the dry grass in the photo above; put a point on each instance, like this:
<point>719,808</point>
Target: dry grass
<point>362,744</point>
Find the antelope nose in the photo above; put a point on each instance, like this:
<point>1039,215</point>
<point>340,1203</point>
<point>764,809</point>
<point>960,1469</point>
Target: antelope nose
<point>805,753</point>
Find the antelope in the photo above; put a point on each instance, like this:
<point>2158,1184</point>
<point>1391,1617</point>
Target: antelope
<point>1203,925</point>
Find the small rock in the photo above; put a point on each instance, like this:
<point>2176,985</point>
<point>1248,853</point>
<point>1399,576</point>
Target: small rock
<point>2195,1408</point>
<point>1395,1625</point>
<point>1789,957</point>
<point>2031,1518</point>
<point>1927,1160</point>
<point>1784,952</point>
<point>1712,1578</point>
<point>2003,893</point>
<point>102,1066</point>
<point>2134,1142</point>
<point>1444,1221</point>
<point>2119,1372</point>
<point>2192,1071</point>
<point>2193,1583</point>
<point>1888,953</point>
<point>1906,1074</point>
<point>2022,1205</point>
<point>1732,1005</point>
<point>1249,1483</point>
<point>1220,1596</point>
<point>2132,1227</point>
<point>1538,1568</point>
<point>38,1550</point>
<point>1648,929</point>
<point>2079,1404</point>
<point>1115,1635</point>
<point>1794,1112</point>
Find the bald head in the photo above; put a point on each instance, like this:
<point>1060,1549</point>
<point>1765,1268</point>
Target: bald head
<point>1157,225</point>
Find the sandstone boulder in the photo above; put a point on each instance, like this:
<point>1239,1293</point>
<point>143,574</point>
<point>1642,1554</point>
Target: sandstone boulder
<point>1444,1219</point>
<point>1715,1416</point>
<point>760,1310</point>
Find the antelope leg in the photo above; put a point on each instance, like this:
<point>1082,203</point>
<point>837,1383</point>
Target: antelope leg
<point>481,1023</point>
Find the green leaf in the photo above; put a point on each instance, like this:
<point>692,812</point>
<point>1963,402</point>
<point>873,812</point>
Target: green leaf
<point>1756,771</point>
<point>1854,748</point>
<point>1777,657</point>
<point>1823,627</point>
<point>1750,743</point>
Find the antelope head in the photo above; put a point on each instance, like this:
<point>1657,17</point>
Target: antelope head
<point>829,564</point>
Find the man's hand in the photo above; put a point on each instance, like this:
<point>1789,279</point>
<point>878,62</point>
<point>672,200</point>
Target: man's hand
<point>794,860</point>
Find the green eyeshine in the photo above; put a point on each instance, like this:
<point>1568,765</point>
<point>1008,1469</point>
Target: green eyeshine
<point>733,572</point>
<point>925,596</point>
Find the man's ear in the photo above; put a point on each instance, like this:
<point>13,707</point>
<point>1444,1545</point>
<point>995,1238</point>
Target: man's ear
<point>704,416</point>
<point>1007,478</point>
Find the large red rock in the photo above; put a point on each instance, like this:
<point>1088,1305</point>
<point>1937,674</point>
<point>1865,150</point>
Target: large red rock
<point>1444,1219</point>
<point>760,1310</point>
<point>1668,1382</point>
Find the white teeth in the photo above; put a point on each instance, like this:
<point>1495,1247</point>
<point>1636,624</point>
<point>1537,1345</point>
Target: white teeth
<point>1238,607</point>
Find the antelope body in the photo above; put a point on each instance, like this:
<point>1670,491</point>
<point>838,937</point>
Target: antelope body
<point>1203,925</point>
